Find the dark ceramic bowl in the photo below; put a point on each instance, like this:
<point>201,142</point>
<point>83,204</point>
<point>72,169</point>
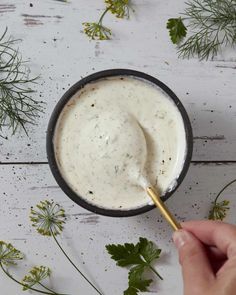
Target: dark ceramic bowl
<point>53,121</point>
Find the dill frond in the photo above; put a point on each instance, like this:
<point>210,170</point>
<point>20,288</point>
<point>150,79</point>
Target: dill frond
<point>213,24</point>
<point>17,107</point>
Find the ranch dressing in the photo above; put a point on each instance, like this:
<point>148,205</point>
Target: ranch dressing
<point>113,129</point>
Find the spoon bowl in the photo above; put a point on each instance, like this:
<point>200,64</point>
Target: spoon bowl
<point>106,132</point>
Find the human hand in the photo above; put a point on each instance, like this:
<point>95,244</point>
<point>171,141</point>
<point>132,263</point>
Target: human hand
<point>207,254</point>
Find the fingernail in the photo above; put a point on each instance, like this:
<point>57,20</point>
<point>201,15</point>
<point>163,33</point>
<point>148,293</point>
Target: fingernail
<point>180,238</point>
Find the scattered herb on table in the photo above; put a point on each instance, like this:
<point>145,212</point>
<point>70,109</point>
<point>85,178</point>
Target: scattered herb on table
<point>139,257</point>
<point>177,30</point>
<point>35,276</point>
<point>9,256</point>
<point>49,218</point>
<point>211,25</point>
<point>17,107</point>
<point>96,30</point>
<point>219,208</point>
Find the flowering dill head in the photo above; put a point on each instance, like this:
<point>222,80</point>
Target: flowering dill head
<point>9,254</point>
<point>35,276</point>
<point>48,218</point>
<point>97,31</point>
<point>219,210</point>
<point>120,8</point>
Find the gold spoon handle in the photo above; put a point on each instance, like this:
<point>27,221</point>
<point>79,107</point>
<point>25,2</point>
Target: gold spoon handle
<point>164,210</point>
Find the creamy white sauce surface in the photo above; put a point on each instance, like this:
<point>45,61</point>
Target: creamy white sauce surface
<point>111,132</point>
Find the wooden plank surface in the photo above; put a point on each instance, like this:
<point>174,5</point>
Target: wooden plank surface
<point>86,234</point>
<point>53,42</point>
<point>57,49</point>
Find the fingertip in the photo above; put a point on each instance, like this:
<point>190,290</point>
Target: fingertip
<point>180,238</point>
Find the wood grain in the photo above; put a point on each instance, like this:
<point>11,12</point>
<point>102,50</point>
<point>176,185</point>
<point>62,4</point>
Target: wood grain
<point>52,40</point>
<point>57,49</point>
<point>86,234</point>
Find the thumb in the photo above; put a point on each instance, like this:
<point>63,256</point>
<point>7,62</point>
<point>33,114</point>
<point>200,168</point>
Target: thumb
<point>196,268</point>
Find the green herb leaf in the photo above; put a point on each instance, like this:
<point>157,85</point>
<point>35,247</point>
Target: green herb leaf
<point>136,281</point>
<point>131,291</point>
<point>127,254</point>
<point>148,250</point>
<point>177,29</point>
<point>36,275</point>
<point>140,256</point>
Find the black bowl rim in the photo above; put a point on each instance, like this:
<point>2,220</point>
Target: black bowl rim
<point>53,121</point>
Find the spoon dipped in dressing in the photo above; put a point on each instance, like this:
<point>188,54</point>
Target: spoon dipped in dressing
<point>115,127</point>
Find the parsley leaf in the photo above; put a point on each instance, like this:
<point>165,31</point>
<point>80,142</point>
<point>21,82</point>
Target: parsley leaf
<point>140,257</point>
<point>148,250</point>
<point>136,282</point>
<point>177,29</point>
<point>127,254</point>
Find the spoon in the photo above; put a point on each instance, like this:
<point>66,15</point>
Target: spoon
<point>140,177</point>
<point>117,126</point>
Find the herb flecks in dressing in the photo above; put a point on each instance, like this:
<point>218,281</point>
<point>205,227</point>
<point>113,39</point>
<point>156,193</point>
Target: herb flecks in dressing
<point>112,128</point>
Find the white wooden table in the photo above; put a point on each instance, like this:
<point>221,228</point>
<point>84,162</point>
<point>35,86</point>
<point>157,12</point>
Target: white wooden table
<point>58,50</point>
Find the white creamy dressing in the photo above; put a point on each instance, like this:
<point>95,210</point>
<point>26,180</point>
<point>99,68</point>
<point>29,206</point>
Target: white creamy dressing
<point>111,133</point>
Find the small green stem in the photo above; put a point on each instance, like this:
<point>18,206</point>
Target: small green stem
<point>54,237</point>
<point>30,288</point>
<point>153,269</point>
<point>103,14</point>
<point>224,188</point>
<point>46,288</point>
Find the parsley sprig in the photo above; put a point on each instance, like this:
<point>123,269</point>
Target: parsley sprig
<point>176,29</point>
<point>140,258</point>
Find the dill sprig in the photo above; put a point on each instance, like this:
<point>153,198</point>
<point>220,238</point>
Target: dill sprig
<point>9,256</point>
<point>120,8</point>
<point>219,209</point>
<point>212,24</point>
<point>48,218</point>
<point>36,276</point>
<point>17,107</point>
<point>96,30</point>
